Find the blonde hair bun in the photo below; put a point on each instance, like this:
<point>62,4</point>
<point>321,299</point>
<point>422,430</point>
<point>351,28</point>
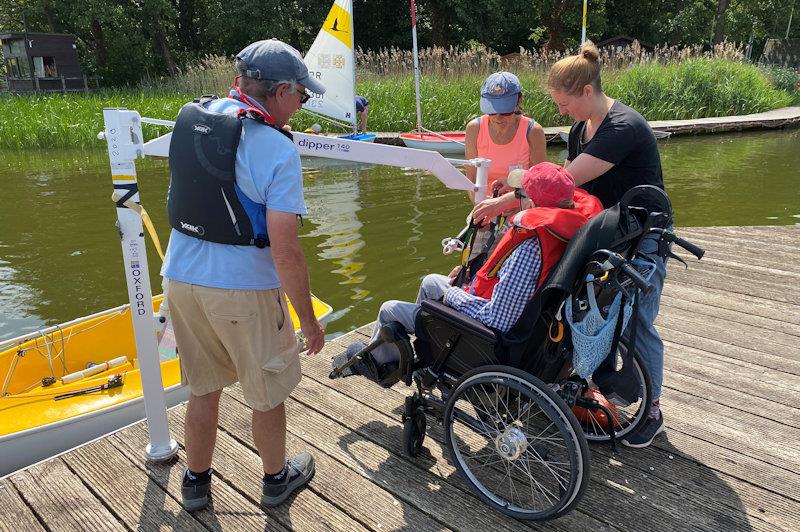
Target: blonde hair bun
<point>589,51</point>
<point>572,73</point>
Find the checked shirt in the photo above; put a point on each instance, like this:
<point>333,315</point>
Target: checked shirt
<point>518,277</point>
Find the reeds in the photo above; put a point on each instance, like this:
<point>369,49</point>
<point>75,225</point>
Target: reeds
<point>669,83</point>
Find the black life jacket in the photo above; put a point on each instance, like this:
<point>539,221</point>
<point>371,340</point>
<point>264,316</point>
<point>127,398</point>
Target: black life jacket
<point>204,200</point>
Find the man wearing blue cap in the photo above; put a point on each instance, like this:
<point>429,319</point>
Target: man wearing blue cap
<point>234,173</point>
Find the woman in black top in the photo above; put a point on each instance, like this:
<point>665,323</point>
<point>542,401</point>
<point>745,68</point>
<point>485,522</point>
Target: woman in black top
<point>611,150</point>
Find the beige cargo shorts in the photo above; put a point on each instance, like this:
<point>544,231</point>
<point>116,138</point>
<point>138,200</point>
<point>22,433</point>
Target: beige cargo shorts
<point>225,336</point>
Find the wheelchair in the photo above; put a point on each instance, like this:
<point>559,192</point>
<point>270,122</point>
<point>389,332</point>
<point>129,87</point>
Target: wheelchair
<point>516,415</point>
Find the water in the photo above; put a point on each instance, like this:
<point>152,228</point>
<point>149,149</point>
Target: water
<point>371,234</point>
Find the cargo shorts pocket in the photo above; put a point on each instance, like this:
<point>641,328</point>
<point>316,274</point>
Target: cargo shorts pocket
<point>283,347</point>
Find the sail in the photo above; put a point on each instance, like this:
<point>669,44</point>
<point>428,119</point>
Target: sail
<point>331,60</point>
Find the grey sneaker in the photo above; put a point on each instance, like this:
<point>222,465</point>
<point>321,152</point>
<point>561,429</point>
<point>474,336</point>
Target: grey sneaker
<point>645,435</point>
<point>300,472</point>
<point>195,494</point>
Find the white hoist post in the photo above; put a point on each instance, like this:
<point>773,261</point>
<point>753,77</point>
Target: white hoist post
<point>123,133</point>
<point>481,178</point>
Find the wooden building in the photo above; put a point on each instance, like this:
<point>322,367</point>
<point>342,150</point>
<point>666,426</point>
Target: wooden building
<point>41,62</point>
<point>621,42</point>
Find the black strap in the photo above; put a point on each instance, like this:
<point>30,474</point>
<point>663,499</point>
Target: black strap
<point>203,100</point>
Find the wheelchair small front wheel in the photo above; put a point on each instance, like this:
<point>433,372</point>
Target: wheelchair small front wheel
<point>516,443</point>
<point>414,425</point>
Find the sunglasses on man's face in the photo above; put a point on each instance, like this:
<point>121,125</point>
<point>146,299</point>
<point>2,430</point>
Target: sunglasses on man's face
<point>502,114</point>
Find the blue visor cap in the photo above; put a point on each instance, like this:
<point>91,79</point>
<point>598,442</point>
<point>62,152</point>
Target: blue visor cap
<point>277,61</point>
<point>500,93</point>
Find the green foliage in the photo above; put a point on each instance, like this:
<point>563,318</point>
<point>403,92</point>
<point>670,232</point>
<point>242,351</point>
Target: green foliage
<point>690,89</point>
<point>126,40</point>
<point>783,78</point>
<point>697,88</point>
<point>73,120</point>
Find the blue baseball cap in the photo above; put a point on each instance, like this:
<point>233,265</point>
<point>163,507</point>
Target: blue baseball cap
<point>277,61</point>
<point>500,93</point>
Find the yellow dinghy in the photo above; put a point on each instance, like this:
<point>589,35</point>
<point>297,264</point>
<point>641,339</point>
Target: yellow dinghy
<point>71,383</point>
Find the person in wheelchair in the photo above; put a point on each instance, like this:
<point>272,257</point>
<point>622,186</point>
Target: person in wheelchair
<point>498,293</point>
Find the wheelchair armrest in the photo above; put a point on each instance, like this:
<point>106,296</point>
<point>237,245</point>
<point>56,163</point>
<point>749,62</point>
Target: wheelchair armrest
<point>458,320</point>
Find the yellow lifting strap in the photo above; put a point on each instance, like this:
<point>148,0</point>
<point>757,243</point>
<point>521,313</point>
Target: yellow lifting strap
<point>148,223</point>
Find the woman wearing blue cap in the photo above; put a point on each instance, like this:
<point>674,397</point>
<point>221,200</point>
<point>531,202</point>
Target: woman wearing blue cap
<point>503,134</point>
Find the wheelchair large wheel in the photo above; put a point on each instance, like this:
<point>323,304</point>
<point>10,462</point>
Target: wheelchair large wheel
<point>516,443</point>
<point>629,417</point>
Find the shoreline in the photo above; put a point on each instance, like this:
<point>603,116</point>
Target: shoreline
<point>775,119</point>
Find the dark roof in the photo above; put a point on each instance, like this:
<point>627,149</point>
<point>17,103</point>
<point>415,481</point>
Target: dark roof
<point>625,38</point>
<point>22,34</point>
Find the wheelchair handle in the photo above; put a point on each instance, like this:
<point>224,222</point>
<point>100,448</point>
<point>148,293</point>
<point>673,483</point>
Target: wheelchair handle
<point>694,249</point>
<point>618,261</point>
<point>636,277</point>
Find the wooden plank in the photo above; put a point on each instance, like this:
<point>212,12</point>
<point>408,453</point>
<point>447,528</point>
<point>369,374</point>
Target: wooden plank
<point>134,498</point>
<point>740,335</point>
<point>748,305</point>
<point>730,463</point>
<point>364,500</point>
<point>61,499</point>
<point>752,336</point>
<point>740,316</point>
<point>729,425</point>
<point>695,477</point>
<point>783,236</point>
<point>738,431</point>
<point>609,486</point>
<point>228,509</point>
<point>736,284</point>
<point>723,349</point>
<point>741,243</point>
<point>16,515</point>
<point>371,446</point>
<point>751,390</point>
<point>741,275</point>
<point>756,375</point>
<point>724,460</point>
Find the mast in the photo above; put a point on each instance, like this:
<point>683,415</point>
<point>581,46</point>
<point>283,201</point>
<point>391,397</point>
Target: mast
<point>583,24</point>
<point>416,62</point>
<point>353,59</point>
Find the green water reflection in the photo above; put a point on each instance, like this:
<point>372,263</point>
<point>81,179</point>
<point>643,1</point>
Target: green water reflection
<point>372,232</point>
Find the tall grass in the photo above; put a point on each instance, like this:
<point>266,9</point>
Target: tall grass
<point>669,83</point>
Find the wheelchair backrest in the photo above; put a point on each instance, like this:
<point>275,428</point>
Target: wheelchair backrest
<point>531,344</point>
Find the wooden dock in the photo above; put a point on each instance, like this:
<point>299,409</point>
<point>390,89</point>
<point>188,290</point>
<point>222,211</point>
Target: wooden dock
<point>777,118</point>
<point>730,458</point>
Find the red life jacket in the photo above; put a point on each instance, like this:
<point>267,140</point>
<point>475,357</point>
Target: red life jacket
<point>554,227</point>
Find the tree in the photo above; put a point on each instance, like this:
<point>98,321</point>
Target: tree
<point>719,24</point>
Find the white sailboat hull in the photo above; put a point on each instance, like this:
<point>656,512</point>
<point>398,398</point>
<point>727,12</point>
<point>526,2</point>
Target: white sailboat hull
<point>21,449</point>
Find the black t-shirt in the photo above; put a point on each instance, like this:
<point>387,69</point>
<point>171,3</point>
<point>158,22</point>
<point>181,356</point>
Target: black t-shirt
<point>624,139</point>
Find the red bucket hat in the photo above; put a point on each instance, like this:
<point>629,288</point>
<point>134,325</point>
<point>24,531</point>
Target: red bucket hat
<point>548,184</point>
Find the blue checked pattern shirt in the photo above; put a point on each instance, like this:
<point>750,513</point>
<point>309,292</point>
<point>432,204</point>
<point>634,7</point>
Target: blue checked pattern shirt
<point>518,277</point>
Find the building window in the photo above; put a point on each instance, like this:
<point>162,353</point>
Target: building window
<point>17,68</point>
<point>45,67</point>
<point>17,47</point>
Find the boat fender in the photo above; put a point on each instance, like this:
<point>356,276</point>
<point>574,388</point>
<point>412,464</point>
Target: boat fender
<point>93,370</point>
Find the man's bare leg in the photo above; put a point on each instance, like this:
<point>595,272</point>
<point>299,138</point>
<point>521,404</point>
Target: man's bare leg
<point>269,436</point>
<point>200,430</point>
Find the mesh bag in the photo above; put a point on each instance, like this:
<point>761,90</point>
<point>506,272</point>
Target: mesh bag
<point>593,332</point>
